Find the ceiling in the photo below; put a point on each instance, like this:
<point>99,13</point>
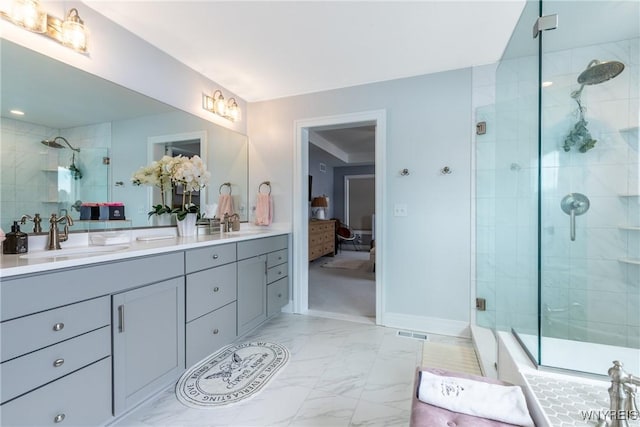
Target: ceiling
<point>262,50</point>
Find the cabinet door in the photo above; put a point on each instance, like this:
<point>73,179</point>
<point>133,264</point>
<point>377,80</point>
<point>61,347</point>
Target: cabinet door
<point>148,341</point>
<point>252,289</point>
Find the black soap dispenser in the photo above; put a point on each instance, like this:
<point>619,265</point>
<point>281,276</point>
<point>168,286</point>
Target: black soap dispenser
<point>16,241</point>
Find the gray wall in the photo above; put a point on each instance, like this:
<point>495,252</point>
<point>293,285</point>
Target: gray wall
<point>338,185</point>
<point>426,274</point>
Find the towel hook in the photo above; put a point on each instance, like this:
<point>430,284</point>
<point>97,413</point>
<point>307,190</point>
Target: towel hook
<point>267,183</point>
<point>224,184</point>
<point>445,170</point>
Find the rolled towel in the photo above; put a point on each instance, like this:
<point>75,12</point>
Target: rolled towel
<point>225,205</point>
<point>492,401</point>
<point>264,209</point>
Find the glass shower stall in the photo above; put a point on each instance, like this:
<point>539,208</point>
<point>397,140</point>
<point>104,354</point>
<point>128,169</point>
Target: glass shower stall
<point>557,187</point>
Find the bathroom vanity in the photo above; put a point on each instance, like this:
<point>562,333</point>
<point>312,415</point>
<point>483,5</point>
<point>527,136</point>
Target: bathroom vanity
<point>85,339</point>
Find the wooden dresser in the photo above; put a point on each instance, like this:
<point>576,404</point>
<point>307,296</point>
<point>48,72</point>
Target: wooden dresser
<point>322,238</point>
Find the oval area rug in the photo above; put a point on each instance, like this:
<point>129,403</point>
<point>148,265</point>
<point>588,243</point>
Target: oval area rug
<point>232,374</point>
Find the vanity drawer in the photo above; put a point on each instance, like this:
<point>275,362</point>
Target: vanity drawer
<point>80,399</point>
<point>29,333</point>
<point>212,256</point>
<point>251,248</point>
<point>277,296</point>
<point>276,258</point>
<point>209,333</point>
<point>210,289</point>
<point>32,370</point>
<point>277,272</point>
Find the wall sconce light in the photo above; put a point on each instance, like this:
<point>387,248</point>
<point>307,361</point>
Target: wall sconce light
<point>216,104</point>
<point>29,15</point>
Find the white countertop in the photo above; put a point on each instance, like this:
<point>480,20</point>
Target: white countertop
<point>13,265</point>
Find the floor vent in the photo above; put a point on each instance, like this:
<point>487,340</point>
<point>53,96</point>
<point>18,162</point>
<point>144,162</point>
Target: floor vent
<point>414,335</point>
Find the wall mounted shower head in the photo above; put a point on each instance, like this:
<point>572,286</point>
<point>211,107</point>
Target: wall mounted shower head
<point>53,144</point>
<point>597,72</point>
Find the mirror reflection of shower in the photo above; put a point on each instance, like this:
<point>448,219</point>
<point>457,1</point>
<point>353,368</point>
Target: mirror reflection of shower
<point>53,144</point>
<point>596,72</point>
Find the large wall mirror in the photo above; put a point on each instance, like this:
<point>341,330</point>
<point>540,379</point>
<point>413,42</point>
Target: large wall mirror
<point>81,138</point>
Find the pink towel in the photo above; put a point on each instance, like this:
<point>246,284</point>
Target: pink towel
<point>264,209</point>
<point>225,206</point>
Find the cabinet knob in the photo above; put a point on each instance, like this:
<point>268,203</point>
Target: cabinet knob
<point>279,258</point>
<point>215,256</point>
<point>279,273</point>
<point>58,326</point>
<point>58,418</point>
<point>58,362</point>
<point>215,331</point>
<point>279,295</point>
<point>216,289</point>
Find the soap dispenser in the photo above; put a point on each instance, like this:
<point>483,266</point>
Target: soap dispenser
<point>16,241</point>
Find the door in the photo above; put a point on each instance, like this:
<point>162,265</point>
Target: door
<point>252,290</point>
<point>148,340</point>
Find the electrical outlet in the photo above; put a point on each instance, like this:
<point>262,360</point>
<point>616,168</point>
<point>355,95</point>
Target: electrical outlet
<point>400,210</point>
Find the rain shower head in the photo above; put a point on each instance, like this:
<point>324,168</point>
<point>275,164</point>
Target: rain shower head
<point>598,72</point>
<point>53,144</point>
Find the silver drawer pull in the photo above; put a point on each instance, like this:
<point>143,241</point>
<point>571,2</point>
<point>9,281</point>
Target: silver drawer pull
<point>279,273</point>
<point>215,256</point>
<point>279,295</point>
<point>216,289</point>
<point>58,362</point>
<point>58,326</point>
<point>58,418</point>
<point>215,331</point>
<point>279,258</point>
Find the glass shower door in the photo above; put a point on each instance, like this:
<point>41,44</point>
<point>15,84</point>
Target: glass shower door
<point>589,216</point>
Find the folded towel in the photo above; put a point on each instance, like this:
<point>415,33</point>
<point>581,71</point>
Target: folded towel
<point>264,209</point>
<point>479,399</point>
<point>225,205</point>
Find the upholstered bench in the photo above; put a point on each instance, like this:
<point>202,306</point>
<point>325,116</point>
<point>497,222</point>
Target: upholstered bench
<point>425,415</point>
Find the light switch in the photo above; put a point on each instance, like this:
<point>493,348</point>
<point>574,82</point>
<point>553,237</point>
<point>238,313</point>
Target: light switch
<point>400,210</point>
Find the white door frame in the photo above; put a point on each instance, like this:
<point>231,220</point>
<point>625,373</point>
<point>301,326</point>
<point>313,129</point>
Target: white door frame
<point>301,204</point>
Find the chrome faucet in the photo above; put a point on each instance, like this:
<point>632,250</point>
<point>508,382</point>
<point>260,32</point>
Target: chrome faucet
<point>622,395</point>
<point>54,234</point>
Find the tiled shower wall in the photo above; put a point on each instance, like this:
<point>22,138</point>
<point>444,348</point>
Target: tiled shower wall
<point>29,178</point>
<point>590,287</point>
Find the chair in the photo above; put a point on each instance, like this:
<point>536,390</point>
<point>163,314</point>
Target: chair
<point>344,233</point>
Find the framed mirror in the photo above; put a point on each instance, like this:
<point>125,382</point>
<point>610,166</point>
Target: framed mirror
<point>110,125</point>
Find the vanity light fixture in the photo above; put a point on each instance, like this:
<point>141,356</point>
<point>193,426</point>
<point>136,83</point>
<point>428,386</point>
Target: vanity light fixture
<point>216,104</point>
<point>29,15</point>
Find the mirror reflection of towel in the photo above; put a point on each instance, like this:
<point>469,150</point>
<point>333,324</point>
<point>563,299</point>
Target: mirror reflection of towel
<point>264,209</point>
<point>225,205</point>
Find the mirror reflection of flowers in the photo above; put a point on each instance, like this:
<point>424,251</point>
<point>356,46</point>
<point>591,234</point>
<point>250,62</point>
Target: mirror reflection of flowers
<point>190,174</point>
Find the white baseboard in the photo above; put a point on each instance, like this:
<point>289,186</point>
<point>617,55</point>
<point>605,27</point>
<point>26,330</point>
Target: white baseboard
<point>433,325</point>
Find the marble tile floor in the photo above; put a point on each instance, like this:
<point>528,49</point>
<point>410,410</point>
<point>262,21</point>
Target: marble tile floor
<point>340,373</point>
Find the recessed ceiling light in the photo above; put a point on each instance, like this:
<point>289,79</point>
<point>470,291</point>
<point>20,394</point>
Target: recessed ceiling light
<point>546,84</point>
<point>17,112</point>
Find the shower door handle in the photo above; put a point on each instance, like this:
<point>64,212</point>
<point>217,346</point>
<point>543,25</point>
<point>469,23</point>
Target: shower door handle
<point>574,204</point>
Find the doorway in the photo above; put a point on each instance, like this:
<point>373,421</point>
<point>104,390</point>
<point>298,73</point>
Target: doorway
<point>304,129</point>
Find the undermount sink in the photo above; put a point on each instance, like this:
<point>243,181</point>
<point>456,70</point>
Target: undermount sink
<point>74,252</point>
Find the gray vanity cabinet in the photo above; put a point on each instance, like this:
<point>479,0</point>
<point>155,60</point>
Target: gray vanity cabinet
<point>148,341</point>
<point>257,259</point>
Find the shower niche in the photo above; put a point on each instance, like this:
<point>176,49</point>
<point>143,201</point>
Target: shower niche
<point>69,178</point>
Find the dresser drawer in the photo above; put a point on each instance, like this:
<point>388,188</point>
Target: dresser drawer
<point>212,256</point>
<point>80,399</point>
<point>277,272</point>
<point>29,333</point>
<point>32,370</point>
<point>277,296</point>
<point>277,257</point>
<point>210,289</point>
<point>209,333</point>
